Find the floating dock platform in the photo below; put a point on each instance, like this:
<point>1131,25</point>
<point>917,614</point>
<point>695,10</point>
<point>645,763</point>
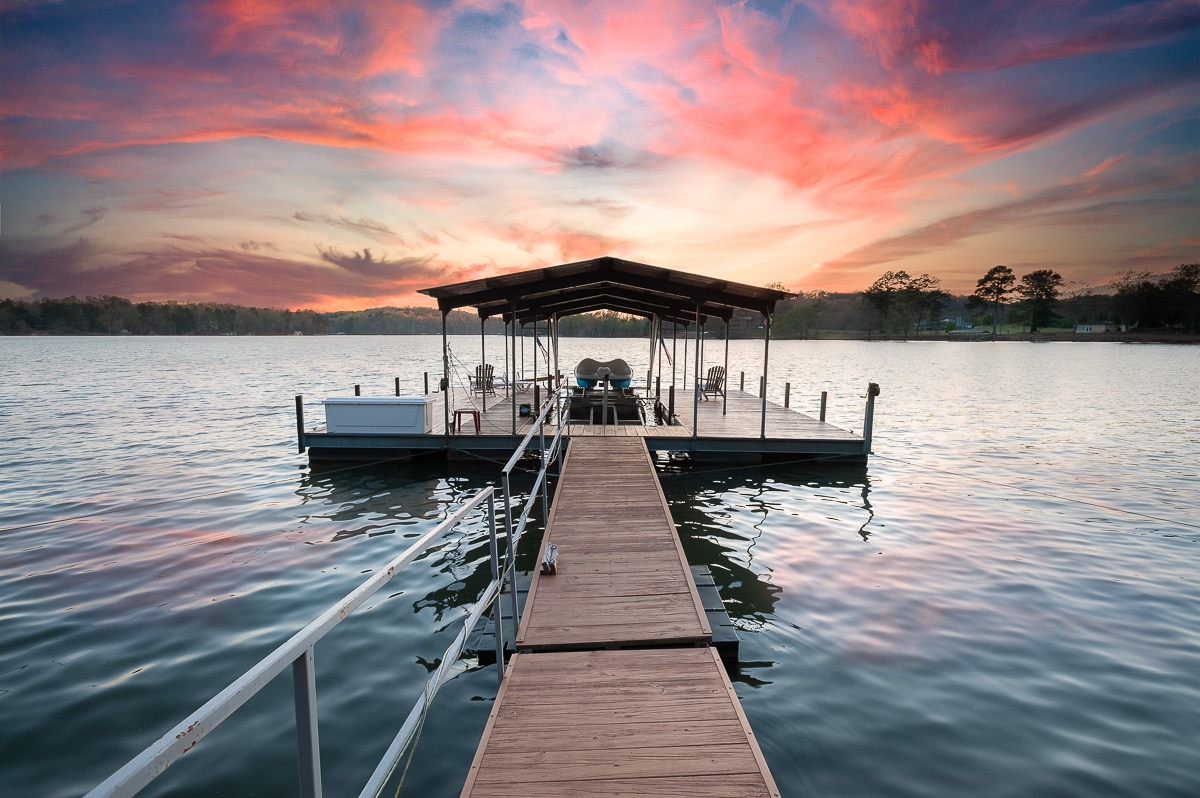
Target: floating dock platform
<point>723,428</point>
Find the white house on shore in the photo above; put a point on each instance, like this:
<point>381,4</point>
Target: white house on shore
<point>1099,327</point>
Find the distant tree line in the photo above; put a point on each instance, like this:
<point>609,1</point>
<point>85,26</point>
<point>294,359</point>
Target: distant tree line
<point>896,305</point>
<point>1154,301</point>
<point>1136,300</point>
<point>110,315</point>
<point>407,321</point>
<point>900,305</point>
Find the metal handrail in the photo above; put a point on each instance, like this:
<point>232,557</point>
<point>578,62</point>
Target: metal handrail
<point>560,401</point>
<point>298,651</point>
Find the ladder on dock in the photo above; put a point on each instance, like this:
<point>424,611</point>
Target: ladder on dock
<point>615,688</point>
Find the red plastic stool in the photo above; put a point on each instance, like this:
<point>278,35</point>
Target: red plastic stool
<point>456,425</point>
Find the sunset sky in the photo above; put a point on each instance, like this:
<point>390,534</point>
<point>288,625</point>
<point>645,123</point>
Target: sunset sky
<point>339,155</point>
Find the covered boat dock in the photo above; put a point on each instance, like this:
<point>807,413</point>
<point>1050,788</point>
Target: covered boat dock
<point>692,416</point>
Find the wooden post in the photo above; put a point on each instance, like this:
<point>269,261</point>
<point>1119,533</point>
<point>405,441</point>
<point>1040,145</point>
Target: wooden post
<point>658,387</point>
<point>300,424</point>
<point>762,387</point>
<point>427,383</point>
<point>357,389</point>
<point>742,381</point>
<point>787,394</point>
<point>671,403</point>
<point>397,386</point>
<point>824,397</point>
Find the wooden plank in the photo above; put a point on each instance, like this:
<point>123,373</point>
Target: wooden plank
<point>618,723</point>
<point>618,763</point>
<point>730,786</point>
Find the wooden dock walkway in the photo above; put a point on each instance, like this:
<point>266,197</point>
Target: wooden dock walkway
<point>615,690</point>
<point>660,722</point>
<point>623,580</point>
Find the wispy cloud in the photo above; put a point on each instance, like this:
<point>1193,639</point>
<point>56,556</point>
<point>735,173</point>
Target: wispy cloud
<point>432,139</point>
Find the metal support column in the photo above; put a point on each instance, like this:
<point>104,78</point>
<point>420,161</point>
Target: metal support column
<point>725,383</point>
<point>766,362</point>
<point>514,365</point>
<point>304,685</point>
<point>445,379</point>
<point>483,363</point>
<point>696,378</point>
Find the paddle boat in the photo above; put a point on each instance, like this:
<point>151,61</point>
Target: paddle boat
<point>589,373</point>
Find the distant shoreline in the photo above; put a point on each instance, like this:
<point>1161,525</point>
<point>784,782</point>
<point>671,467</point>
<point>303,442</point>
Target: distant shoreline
<point>961,336</point>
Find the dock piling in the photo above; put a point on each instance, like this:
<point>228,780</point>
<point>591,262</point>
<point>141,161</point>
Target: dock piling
<point>787,394</point>
<point>357,389</point>
<point>869,418</point>
<point>824,398</point>
<point>397,386</point>
<point>427,383</point>
<point>300,424</point>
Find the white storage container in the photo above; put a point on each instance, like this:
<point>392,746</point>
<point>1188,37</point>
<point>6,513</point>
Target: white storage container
<point>379,415</point>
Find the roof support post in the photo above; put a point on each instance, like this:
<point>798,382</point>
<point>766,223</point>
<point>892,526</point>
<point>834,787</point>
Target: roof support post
<point>445,380</point>
<point>660,347</point>
<point>482,362</point>
<point>653,346</point>
<point>554,341</point>
<point>674,348</point>
<point>514,365</point>
<point>725,384</point>
<point>766,362</point>
<point>696,379</point>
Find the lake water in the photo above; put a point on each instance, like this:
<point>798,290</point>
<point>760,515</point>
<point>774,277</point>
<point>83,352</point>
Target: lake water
<point>1004,602</point>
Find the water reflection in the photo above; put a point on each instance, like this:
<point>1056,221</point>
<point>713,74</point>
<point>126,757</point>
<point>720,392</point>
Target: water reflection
<point>404,498</point>
<point>752,525</point>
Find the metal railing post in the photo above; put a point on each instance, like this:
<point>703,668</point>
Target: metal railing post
<point>497,607</point>
<point>304,685</point>
<point>512,552</point>
<point>545,461</point>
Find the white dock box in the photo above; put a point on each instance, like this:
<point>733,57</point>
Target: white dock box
<point>379,415</point>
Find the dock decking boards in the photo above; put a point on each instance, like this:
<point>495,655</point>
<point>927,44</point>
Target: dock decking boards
<point>622,578</point>
<point>614,690</point>
<point>660,722</point>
